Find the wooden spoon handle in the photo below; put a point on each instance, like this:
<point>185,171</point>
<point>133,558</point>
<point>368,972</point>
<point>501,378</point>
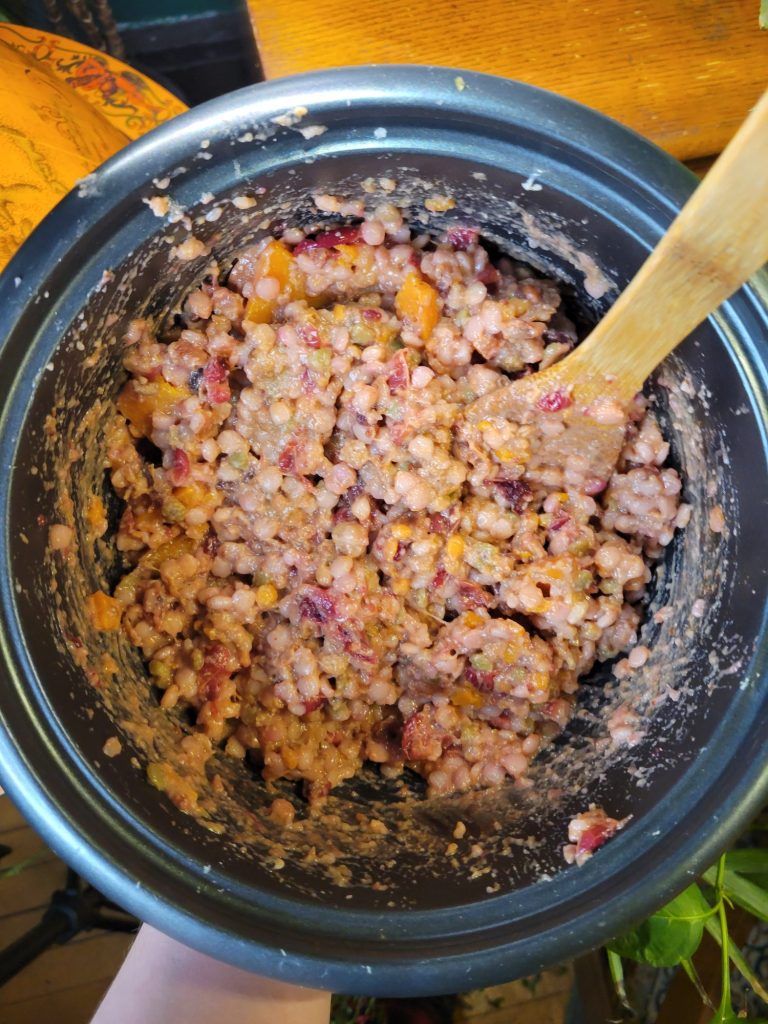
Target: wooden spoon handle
<point>718,240</point>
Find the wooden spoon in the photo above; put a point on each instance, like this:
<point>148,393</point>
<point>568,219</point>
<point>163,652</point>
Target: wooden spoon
<point>716,242</point>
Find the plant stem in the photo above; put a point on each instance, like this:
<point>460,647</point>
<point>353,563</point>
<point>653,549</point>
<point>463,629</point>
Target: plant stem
<point>693,976</point>
<point>725,967</point>
<point>616,967</point>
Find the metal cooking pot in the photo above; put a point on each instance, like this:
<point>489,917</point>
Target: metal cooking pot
<point>399,912</point>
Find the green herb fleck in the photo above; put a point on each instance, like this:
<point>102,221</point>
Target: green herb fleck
<point>481,662</point>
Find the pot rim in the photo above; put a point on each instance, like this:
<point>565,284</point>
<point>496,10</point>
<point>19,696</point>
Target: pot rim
<point>160,888</point>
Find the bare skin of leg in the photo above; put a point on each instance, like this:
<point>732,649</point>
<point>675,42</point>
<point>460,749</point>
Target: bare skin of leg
<point>163,981</point>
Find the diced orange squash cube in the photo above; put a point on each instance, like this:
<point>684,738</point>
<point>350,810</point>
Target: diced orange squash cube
<point>275,260</point>
<point>347,255</point>
<point>148,519</point>
<point>137,402</point>
<point>418,303</point>
<point>171,549</point>
<point>104,611</point>
<point>466,696</point>
<point>258,310</point>
<point>196,494</point>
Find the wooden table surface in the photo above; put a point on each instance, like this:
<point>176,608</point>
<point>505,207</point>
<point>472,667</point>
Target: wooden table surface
<point>682,72</point>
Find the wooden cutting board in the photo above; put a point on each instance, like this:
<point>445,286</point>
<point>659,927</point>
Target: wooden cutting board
<point>681,72</point>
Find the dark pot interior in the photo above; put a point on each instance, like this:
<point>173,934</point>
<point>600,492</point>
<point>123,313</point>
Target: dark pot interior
<point>573,194</point>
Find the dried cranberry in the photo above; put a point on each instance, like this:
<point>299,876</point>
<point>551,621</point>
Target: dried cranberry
<point>343,511</point>
<point>305,245</point>
<point>502,721</point>
<point>371,314</point>
<point>462,238</point>
<point>444,523</point>
<point>554,401</point>
<point>516,493</point>
<point>216,378</point>
<point>399,374</point>
<point>178,471</point>
<point>559,521</point>
<point>421,739</point>
<point>220,657</point>
<point>215,371</point>
<point>556,710</point>
<point>314,704</point>
<point>211,543</point>
<point>489,275</point>
<point>482,681</point>
<point>307,384</point>
<point>354,644</point>
<point>439,579</point>
<point>287,459</point>
<point>594,837</point>
<point>219,663</point>
<point>41,520</point>
<point>317,605</point>
<point>328,239</point>
<point>472,595</point>
<point>309,335</point>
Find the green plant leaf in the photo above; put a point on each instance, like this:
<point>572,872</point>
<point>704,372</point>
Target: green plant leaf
<point>751,897</point>
<point>763,19</point>
<point>743,891</point>
<point>751,860</point>
<point>670,935</point>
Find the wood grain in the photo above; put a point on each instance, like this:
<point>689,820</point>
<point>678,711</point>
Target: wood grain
<point>74,1004</point>
<point>541,1000</point>
<point>94,957</point>
<point>67,982</point>
<point>682,72</point>
<point>714,245</point>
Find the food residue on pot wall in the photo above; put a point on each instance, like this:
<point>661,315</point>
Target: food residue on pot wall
<point>343,847</point>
